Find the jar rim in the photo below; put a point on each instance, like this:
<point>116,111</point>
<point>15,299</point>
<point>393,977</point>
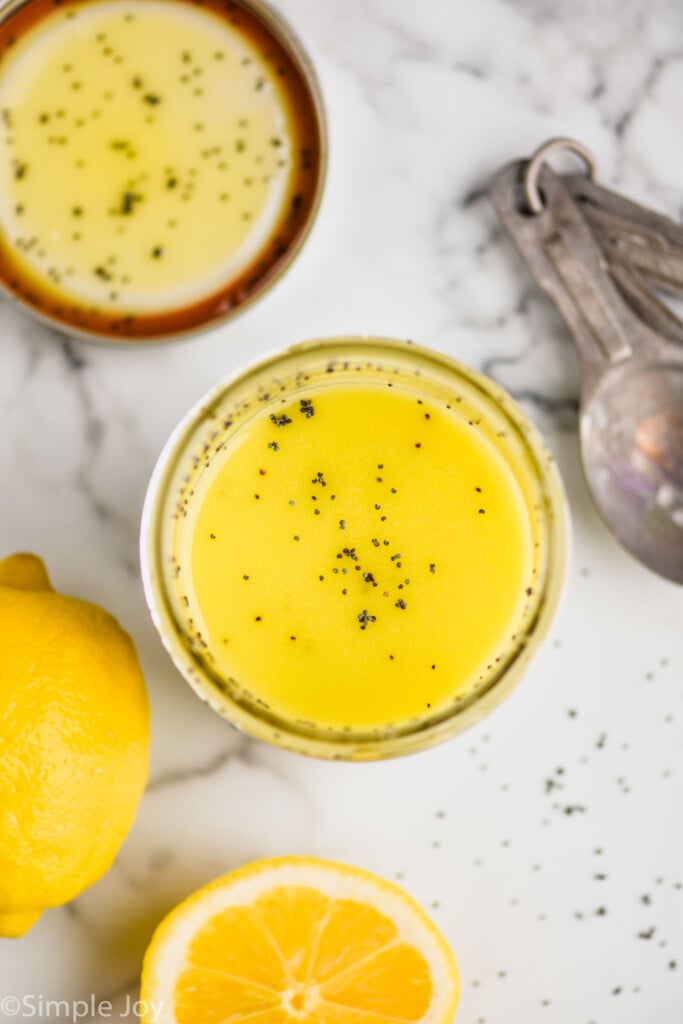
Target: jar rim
<point>353,744</point>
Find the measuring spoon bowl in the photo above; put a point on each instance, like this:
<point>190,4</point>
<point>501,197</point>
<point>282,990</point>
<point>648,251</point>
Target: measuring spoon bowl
<point>632,450</point>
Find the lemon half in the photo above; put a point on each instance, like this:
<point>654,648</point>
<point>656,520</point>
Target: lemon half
<point>299,941</point>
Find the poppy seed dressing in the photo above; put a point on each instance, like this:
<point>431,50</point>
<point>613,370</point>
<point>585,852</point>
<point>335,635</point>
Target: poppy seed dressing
<point>363,588</point>
<point>155,156</point>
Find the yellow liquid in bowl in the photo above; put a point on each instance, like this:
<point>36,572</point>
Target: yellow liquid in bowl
<point>352,548</point>
<point>360,556</point>
<point>157,158</point>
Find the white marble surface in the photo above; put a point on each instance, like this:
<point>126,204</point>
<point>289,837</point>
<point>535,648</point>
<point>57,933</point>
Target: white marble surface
<point>548,841</point>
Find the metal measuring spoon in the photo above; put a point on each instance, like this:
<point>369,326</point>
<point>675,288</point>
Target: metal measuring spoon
<point>598,256</point>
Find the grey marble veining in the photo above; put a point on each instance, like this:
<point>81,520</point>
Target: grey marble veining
<point>547,842</point>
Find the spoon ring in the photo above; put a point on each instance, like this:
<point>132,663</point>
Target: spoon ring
<point>532,193</point>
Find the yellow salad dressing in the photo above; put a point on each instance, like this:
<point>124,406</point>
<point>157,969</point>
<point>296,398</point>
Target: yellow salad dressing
<point>148,149</point>
<point>359,555</point>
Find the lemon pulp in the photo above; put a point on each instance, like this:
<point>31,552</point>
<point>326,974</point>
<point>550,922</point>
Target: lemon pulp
<point>299,940</point>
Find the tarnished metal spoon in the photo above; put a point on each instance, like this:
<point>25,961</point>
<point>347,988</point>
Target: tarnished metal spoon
<point>599,257</point>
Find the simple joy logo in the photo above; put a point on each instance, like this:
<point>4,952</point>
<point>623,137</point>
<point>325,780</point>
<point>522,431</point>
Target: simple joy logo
<point>37,1007</point>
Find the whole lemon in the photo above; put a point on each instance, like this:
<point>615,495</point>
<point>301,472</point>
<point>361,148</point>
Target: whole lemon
<point>74,743</point>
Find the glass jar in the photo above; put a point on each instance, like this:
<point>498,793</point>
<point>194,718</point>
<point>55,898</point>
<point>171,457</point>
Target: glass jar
<point>215,423</point>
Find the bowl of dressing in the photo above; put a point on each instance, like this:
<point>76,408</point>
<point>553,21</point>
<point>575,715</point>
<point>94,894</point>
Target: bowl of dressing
<point>161,161</point>
<point>353,548</point>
